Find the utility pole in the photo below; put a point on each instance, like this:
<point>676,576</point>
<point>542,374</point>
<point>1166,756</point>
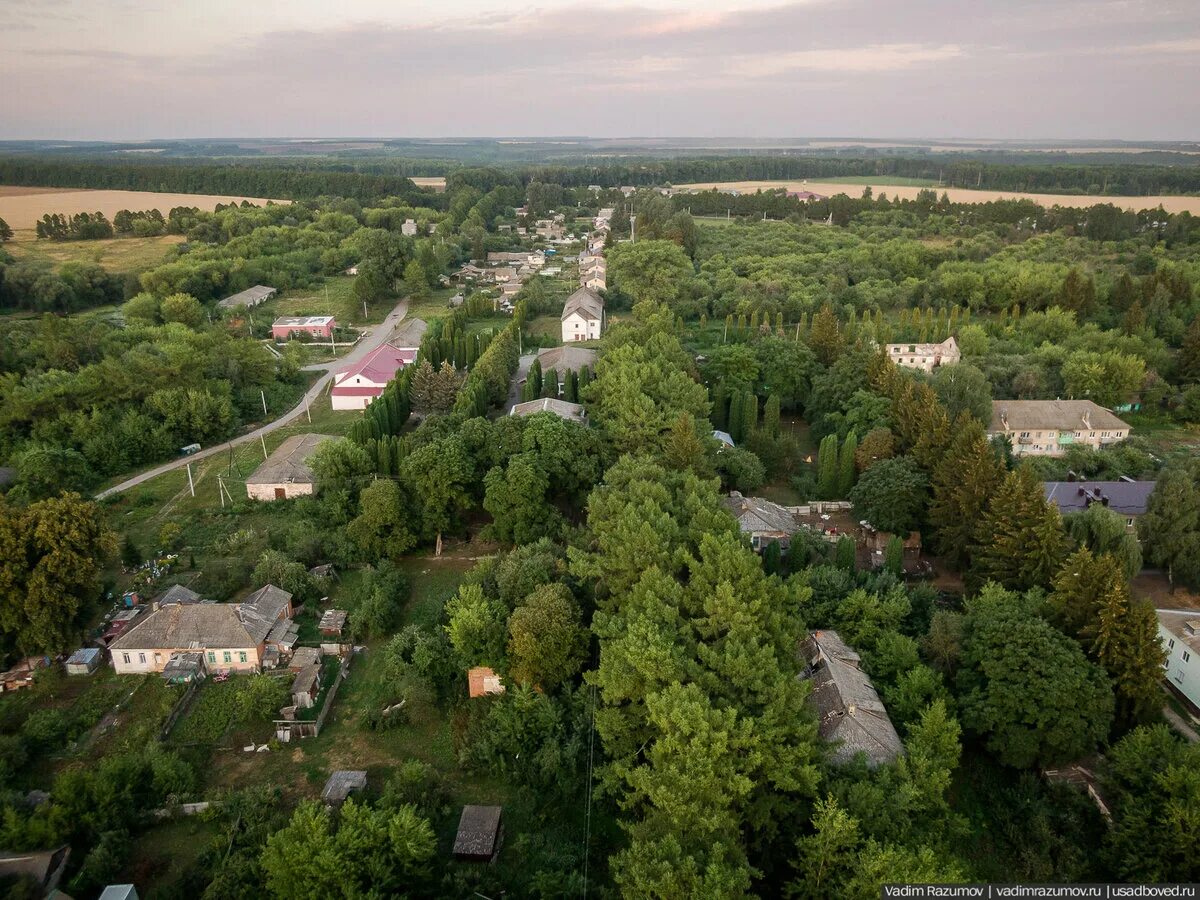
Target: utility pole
<point>221,489</point>
<point>364,312</point>
<point>307,412</point>
<point>191,483</point>
<point>632,227</point>
<point>263,438</point>
<point>263,394</point>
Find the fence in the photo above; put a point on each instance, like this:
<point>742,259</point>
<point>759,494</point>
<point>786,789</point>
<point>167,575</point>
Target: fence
<point>289,729</point>
<point>180,707</point>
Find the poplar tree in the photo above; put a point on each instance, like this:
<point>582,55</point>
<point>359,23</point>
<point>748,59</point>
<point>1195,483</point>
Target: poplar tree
<point>827,467</point>
<point>720,407</point>
<point>550,384</point>
<point>735,416</point>
<point>771,416</point>
<point>846,464</point>
<point>533,382</point>
<point>749,413</point>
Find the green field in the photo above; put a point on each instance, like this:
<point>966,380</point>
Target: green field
<point>125,254</point>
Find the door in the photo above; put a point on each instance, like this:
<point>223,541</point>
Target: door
<point>280,494</point>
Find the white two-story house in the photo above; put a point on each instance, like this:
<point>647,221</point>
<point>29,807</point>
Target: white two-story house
<point>1179,631</point>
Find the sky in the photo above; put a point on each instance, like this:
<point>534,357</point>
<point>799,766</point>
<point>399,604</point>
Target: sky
<point>1000,69</point>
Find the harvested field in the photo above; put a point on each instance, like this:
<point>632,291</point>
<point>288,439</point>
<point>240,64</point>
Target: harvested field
<point>21,207</point>
<point>437,182</point>
<point>958,195</point>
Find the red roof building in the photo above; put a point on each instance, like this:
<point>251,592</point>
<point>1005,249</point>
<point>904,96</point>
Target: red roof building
<point>356,386</point>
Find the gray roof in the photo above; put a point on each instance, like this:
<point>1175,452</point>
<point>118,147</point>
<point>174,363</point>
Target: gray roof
<point>84,656</point>
<point>1183,623</point>
<point>1128,498</point>
<point>177,593</point>
<point>264,608</point>
<point>197,626</point>
<point>571,411</point>
<point>187,664</point>
<point>119,892</point>
<point>1052,415</point>
<point>724,437</point>
<point>849,710</point>
<point>563,358</point>
<point>40,865</point>
<point>341,782</point>
<point>289,463</point>
<point>478,829</point>
<point>586,302</point>
<point>307,679</point>
<point>757,515</point>
<point>251,296</point>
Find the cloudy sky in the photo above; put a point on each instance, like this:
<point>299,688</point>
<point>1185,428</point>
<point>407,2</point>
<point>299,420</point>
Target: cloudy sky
<point>1037,69</point>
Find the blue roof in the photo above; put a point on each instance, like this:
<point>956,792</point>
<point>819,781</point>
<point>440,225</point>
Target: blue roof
<point>84,655</point>
<point>724,437</point>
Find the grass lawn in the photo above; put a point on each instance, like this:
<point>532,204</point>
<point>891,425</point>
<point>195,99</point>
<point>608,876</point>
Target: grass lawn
<point>333,298</point>
<point>124,254</point>
<point>433,581</point>
<point>162,854</point>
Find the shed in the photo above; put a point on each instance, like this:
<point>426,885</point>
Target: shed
<point>119,892</point>
<point>341,784</point>
<point>285,473</point>
<point>306,686</point>
<point>482,681</point>
<point>185,667</point>
<point>333,621</point>
<point>303,658</point>
<point>479,834</point>
<point>250,297</point>
<point>84,661</point>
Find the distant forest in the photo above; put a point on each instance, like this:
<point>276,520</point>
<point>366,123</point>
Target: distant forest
<point>369,177</point>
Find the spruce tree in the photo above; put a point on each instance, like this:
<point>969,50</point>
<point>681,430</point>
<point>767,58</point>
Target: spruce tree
<point>963,483</point>
<point>824,337</point>
<point>846,464</point>
<point>1128,647</point>
<point>1020,542</point>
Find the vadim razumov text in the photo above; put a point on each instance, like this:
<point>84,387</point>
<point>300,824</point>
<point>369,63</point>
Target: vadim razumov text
<point>1000,891</point>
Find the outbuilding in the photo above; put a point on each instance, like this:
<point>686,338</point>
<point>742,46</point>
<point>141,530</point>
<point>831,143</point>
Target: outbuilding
<point>480,833</point>
<point>85,661</point>
<point>285,473</point>
<point>249,298</point>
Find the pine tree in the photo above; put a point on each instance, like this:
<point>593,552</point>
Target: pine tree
<point>771,416</point>
<point>827,467</point>
<point>846,465</point>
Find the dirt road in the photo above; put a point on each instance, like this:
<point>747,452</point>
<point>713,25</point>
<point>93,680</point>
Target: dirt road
<point>379,335</point>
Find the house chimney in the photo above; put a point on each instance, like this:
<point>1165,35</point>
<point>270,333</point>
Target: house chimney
<point>1004,417</point>
<point>1087,420</point>
<point>1127,479</point>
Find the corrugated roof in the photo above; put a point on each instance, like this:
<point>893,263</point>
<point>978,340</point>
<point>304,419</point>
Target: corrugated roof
<point>757,515</point>
<point>478,828</point>
<point>563,358</point>
<point>586,302</point>
<point>849,711</point>
<point>561,408</point>
<point>251,296</point>
<point>1125,497</point>
<point>289,463</point>
<point>197,626</point>
<point>1052,415</point>
<point>380,365</point>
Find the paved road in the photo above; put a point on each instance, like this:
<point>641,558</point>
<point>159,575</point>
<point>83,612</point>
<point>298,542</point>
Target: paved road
<point>379,335</point>
<point>518,380</point>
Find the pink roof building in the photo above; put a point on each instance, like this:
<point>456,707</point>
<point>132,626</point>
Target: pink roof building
<point>356,386</point>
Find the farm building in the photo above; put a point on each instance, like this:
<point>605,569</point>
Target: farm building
<point>355,387</point>
<point>849,711</point>
<point>249,298</point>
<point>482,681</point>
<point>85,661</point>
<point>572,412</point>
<point>333,622</point>
<point>304,657</point>
<point>285,473</point>
<point>762,520</point>
<point>480,833</point>
<point>286,327</point>
<point>582,316</point>
<point>232,636</point>
<point>341,784</point>
<point>925,357</point>
<point>306,686</point>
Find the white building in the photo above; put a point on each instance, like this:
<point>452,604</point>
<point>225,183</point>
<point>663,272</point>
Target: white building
<point>355,387</point>
<point>582,316</point>
<point>409,228</point>
<point>925,357</point>
<point>1179,631</point>
<point>1051,427</point>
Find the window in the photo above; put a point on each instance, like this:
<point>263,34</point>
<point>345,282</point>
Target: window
<point>242,656</point>
<point>228,656</point>
<point>212,657</point>
<point>1129,521</point>
<point>1170,643</point>
<point>126,655</point>
<point>141,657</point>
<point>1025,434</point>
<point>1186,656</point>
